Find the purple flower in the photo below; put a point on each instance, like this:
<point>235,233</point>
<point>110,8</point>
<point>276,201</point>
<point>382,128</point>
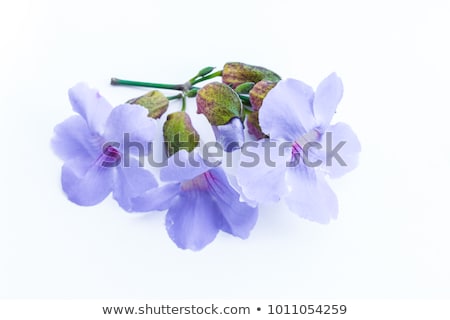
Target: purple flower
<point>92,145</point>
<point>200,201</point>
<point>298,120</point>
<point>230,135</point>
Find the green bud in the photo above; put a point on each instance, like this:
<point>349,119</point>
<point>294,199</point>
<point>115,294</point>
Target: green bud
<point>191,93</point>
<point>236,73</point>
<point>253,126</point>
<point>205,71</point>
<point>244,88</point>
<point>154,101</point>
<point>179,133</point>
<point>259,92</point>
<point>219,103</point>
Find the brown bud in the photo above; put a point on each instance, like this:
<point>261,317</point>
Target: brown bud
<point>253,126</point>
<point>219,103</point>
<point>179,133</point>
<point>236,73</point>
<point>259,92</point>
<point>154,101</point>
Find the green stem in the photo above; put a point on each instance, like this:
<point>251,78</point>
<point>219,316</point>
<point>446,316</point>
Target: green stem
<point>115,81</point>
<point>210,76</point>
<point>183,106</point>
<point>248,109</point>
<point>175,97</point>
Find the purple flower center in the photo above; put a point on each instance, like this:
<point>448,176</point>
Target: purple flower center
<point>296,148</point>
<point>111,156</point>
<point>312,135</point>
<point>200,182</point>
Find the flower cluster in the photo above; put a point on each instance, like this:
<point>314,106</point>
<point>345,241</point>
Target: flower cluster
<point>280,130</point>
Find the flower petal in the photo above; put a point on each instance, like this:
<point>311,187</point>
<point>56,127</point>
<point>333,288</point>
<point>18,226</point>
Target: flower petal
<point>349,152</point>
<point>184,165</point>
<point>238,217</point>
<point>91,106</point>
<point>261,171</point>
<point>311,197</point>
<point>73,138</point>
<point>129,125</point>
<point>328,94</point>
<point>242,197</point>
<point>156,199</point>
<point>85,182</point>
<point>193,220</point>
<point>230,135</point>
<point>286,112</point>
<point>131,181</point>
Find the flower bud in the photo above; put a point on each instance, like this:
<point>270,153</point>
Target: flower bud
<point>219,103</point>
<point>154,101</point>
<point>259,92</point>
<point>179,133</point>
<point>244,88</point>
<point>205,71</point>
<point>192,93</point>
<point>253,126</point>
<point>236,73</point>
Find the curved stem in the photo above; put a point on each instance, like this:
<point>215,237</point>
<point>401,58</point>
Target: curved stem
<point>245,99</point>
<point>248,109</point>
<point>115,81</point>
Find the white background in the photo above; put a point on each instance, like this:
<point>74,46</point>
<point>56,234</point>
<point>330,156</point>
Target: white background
<point>392,237</point>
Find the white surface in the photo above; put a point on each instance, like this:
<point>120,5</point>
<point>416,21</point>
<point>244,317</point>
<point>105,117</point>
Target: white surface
<point>391,238</point>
